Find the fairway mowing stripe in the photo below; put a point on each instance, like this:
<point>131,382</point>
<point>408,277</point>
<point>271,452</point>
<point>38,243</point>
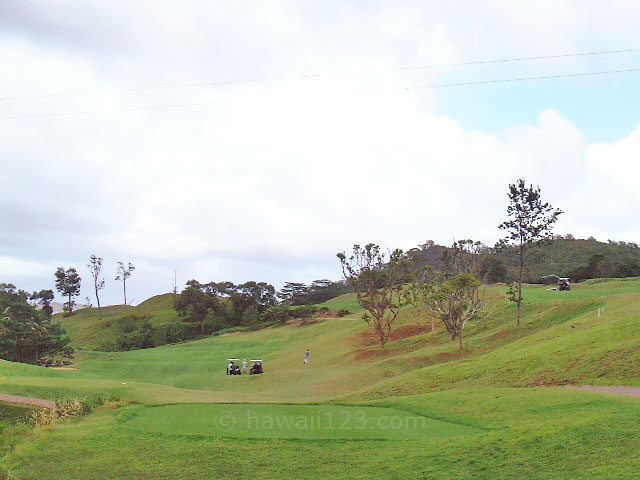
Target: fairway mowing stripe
<point>291,421</point>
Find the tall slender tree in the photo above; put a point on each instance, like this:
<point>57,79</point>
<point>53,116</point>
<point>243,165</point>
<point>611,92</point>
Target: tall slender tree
<point>122,274</point>
<point>529,220</point>
<point>68,284</point>
<point>95,267</point>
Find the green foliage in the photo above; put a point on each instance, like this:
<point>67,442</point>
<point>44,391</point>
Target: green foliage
<point>455,300</point>
<point>28,335</point>
<point>529,220</point>
<point>68,284</point>
<point>215,306</point>
<point>276,314</point>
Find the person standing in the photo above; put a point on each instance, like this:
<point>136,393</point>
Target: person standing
<point>244,366</point>
<point>306,356</point>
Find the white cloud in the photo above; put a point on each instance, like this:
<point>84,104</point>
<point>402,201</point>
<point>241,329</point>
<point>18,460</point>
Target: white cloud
<point>278,176</point>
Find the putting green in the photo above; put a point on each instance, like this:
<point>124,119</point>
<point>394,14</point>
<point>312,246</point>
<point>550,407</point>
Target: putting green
<point>290,421</point>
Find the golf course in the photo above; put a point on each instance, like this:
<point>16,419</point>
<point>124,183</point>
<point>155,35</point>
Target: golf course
<point>417,408</point>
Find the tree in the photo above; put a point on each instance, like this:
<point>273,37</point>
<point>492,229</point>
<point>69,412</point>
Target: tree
<point>122,274</point>
<point>26,334</point>
<point>455,301</point>
<point>377,279</point>
<point>293,292</point>
<point>417,294</point>
<point>68,284</point>
<point>464,256</point>
<point>492,270</point>
<point>95,267</point>
<point>530,220</point>
<point>43,299</point>
<point>199,304</point>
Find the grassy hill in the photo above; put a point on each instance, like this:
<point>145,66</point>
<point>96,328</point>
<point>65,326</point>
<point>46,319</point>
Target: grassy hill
<point>88,332</point>
<point>417,409</point>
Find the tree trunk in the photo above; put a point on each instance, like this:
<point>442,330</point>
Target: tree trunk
<point>98,300</point>
<point>521,263</point>
<point>124,287</point>
<point>460,340</point>
<point>70,307</point>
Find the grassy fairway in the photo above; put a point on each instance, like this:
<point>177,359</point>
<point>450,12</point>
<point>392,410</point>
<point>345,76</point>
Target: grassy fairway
<point>312,422</point>
<point>529,433</point>
<point>476,424</point>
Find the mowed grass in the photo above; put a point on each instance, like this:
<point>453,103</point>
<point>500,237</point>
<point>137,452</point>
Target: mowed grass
<point>312,422</point>
<point>546,433</point>
<point>519,433</point>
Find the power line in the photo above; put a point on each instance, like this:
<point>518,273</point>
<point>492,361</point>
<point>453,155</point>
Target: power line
<point>128,109</point>
<point>522,79</point>
<point>293,77</point>
<point>480,82</point>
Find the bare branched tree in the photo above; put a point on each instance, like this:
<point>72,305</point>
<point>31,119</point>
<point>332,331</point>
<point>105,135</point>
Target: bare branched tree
<point>122,274</point>
<point>377,279</point>
<point>95,267</point>
<point>464,256</point>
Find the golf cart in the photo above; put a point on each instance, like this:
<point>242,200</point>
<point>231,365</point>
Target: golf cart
<point>563,284</point>
<point>232,367</point>
<point>256,367</point>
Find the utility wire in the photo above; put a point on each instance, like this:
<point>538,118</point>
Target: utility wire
<point>128,109</point>
<point>438,85</point>
<point>522,79</point>
<point>270,79</point>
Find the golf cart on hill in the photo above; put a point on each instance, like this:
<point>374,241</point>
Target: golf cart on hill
<point>232,367</point>
<point>256,367</point>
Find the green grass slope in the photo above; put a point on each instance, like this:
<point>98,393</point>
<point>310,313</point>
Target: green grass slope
<point>88,332</point>
<point>483,412</point>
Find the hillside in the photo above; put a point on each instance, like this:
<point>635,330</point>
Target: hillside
<point>485,415</point>
<point>564,256</point>
<point>88,332</point>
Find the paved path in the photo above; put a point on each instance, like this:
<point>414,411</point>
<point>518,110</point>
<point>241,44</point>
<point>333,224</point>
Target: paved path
<point>620,390</point>
<point>36,402</point>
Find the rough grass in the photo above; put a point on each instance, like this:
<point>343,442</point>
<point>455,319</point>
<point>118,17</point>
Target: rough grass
<point>545,433</point>
<point>88,332</point>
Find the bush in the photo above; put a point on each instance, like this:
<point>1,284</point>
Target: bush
<point>276,314</point>
<point>343,313</point>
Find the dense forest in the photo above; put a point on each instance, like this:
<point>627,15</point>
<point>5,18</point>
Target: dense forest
<point>564,256</point>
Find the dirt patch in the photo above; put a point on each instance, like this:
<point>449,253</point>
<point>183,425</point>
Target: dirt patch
<point>64,368</point>
<point>327,314</point>
<point>366,338</point>
<point>35,402</point>
<point>500,334</point>
<point>542,381</point>
<point>448,356</point>
<point>619,390</point>
<point>405,331</point>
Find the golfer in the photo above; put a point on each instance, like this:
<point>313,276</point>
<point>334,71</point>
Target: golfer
<point>306,356</point>
<point>244,366</point>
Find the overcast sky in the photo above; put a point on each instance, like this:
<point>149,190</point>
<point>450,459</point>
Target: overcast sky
<point>312,135</point>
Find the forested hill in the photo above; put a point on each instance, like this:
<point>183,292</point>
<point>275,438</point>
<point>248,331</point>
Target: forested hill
<point>576,258</point>
<point>566,256</point>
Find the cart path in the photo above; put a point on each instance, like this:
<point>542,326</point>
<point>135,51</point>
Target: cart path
<point>617,389</point>
<point>35,402</point>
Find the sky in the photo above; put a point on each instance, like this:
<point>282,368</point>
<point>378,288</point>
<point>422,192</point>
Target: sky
<point>283,132</point>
